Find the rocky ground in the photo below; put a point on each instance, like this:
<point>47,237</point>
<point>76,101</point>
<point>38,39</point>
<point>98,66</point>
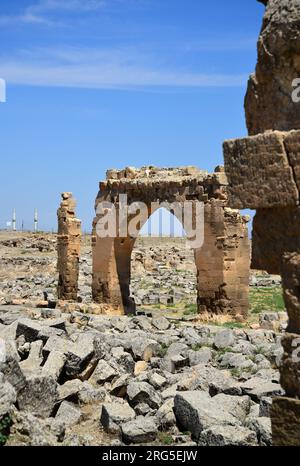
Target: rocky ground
<point>79,379</point>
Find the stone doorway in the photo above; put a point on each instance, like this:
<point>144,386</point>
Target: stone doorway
<point>222,261</point>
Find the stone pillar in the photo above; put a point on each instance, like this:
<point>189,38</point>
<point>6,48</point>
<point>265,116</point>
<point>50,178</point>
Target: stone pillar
<point>263,174</point>
<point>223,263</point>
<point>68,249</point>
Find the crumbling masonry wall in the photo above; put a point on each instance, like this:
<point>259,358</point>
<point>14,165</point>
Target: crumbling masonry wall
<point>68,248</point>
<point>223,260</point>
<point>263,172</point>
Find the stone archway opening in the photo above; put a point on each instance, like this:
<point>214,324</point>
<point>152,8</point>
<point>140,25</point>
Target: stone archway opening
<point>163,269</point>
<point>220,241</point>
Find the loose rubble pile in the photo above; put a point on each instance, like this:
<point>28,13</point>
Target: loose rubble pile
<point>73,379</point>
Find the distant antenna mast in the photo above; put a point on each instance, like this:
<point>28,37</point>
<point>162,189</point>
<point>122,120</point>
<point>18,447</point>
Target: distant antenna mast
<point>36,220</point>
<point>14,221</point>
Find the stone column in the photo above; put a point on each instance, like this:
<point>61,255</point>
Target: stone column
<point>68,249</point>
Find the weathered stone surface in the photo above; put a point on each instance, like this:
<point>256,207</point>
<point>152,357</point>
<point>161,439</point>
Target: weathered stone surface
<point>291,287</point>
<point>35,359</point>
<point>145,349</point>
<point>161,323</point>
<point>12,371</point>
<point>89,395</point>
<point>8,397</point>
<point>104,373</point>
<point>55,364</point>
<point>197,411</point>
<point>140,430</point>
<point>142,392</point>
<point>115,414</point>
<point>39,396</point>
<point>224,436</point>
<point>290,365</point>
<point>285,414</point>
<point>257,388</point>
<point>69,390</point>
<point>224,339</point>
<point>28,430</point>
<point>259,171</point>
<point>29,329</point>
<point>202,356</point>
<point>263,429</point>
<point>69,414</point>
<point>165,415</point>
<point>268,104</point>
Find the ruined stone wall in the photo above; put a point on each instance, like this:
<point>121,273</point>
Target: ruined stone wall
<point>264,174</point>
<point>68,248</point>
<point>268,101</point>
<point>221,272</point>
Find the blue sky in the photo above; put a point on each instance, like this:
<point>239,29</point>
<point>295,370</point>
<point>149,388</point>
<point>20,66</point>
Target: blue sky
<point>96,84</point>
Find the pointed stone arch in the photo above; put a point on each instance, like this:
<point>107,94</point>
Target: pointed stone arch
<point>223,260</point>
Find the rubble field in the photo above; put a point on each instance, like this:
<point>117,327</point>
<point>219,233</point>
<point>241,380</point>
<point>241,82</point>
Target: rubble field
<point>163,378</point>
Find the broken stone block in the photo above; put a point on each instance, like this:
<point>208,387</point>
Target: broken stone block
<point>28,430</point>
<point>119,387</point>
<point>114,414</point>
<point>55,364</point>
<point>165,415</point>
<point>157,381</point>
<point>259,172</point>
<point>140,367</point>
<point>145,349</point>
<point>139,430</point>
<point>227,436</point>
<point>69,414</point>
<point>103,373</point>
<point>29,329</point>
<point>12,371</point>
<point>39,396</point>
<point>178,362</point>
<point>196,411</point>
<point>91,395</point>
<point>202,356</point>
<point>69,390</point>
<point>161,323</point>
<point>142,392</point>
<point>265,406</point>
<point>224,339</point>
<point>35,359</point>
<point>258,388</point>
<point>8,397</point>
<point>263,429</point>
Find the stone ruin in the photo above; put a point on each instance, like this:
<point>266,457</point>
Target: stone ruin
<point>263,172</point>
<point>222,262</point>
<point>68,247</point>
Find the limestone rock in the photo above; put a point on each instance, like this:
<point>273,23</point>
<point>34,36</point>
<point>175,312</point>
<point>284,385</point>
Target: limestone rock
<point>140,430</point>
<point>115,414</point>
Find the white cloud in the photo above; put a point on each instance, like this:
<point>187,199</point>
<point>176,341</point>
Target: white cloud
<point>38,13</point>
<point>104,68</point>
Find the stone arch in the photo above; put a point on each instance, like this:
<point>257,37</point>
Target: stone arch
<point>222,261</point>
